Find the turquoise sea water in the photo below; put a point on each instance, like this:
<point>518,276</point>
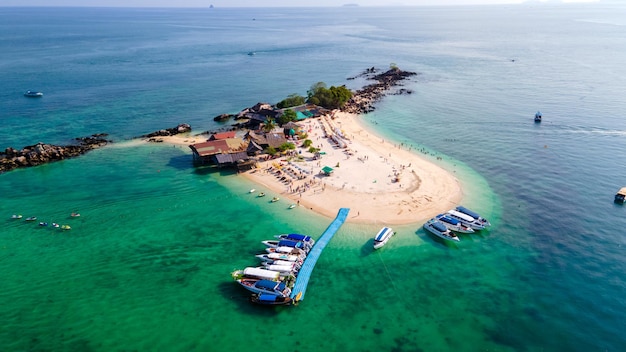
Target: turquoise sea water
<point>147,265</point>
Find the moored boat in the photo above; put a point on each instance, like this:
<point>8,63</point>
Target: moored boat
<point>438,229</point>
<point>382,237</point>
<point>466,219</point>
<point>31,218</point>
<point>33,94</point>
<point>256,273</point>
<point>288,243</point>
<point>454,224</point>
<point>74,215</point>
<point>65,227</point>
<point>270,257</point>
<point>283,269</point>
<point>43,224</point>
<point>262,194</point>
<point>620,196</point>
<point>296,237</point>
<point>275,199</point>
<point>16,216</point>
<point>538,116</point>
<point>286,250</point>
<point>265,286</point>
<point>271,299</point>
<point>473,214</point>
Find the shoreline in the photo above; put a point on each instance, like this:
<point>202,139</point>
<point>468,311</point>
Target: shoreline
<point>380,182</point>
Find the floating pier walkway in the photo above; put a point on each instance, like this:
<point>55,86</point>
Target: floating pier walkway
<point>299,288</point>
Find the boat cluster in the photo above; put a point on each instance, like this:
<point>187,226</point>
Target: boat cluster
<point>457,220</point>
<point>272,281</point>
<point>43,223</point>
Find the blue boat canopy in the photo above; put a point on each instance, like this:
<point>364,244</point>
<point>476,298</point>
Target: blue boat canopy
<point>439,226</point>
<point>267,284</point>
<point>290,243</point>
<point>297,237</point>
<point>463,209</point>
<point>381,234</point>
<point>449,220</point>
<point>268,297</point>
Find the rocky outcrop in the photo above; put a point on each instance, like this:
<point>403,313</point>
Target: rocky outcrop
<point>223,117</point>
<point>363,100</point>
<point>41,153</point>
<point>181,128</point>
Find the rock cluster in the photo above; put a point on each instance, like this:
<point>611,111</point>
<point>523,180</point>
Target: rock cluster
<point>181,128</point>
<point>41,153</point>
<point>364,99</point>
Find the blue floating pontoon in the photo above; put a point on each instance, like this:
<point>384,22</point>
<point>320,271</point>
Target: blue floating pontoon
<point>304,274</point>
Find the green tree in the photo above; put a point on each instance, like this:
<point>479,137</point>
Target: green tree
<point>292,100</point>
<point>269,125</point>
<point>307,143</point>
<point>330,98</point>
<point>287,116</point>
<point>270,151</point>
<point>286,146</point>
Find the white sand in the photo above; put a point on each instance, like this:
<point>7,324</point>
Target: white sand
<point>364,179</point>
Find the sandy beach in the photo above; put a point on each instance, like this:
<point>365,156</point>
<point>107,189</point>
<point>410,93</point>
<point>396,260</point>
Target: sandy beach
<point>380,182</point>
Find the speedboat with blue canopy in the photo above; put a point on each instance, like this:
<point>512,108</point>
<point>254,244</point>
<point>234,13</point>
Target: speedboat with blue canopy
<point>440,230</point>
<point>473,214</point>
<point>265,286</point>
<point>538,116</point>
<point>288,243</point>
<point>382,237</point>
<point>454,224</point>
<point>270,257</point>
<point>296,237</point>
<point>465,219</point>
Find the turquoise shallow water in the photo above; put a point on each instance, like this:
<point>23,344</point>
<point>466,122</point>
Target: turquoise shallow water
<point>147,265</point>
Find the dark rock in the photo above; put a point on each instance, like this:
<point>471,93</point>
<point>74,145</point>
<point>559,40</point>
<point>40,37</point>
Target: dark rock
<point>182,128</point>
<point>41,153</point>
<point>222,117</point>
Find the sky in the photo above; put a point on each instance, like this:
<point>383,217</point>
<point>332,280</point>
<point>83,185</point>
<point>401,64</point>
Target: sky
<point>265,3</point>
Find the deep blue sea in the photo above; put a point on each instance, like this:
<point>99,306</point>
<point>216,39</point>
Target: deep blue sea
<point>147,265</point>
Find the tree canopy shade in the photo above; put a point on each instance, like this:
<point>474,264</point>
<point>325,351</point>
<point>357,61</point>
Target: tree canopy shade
<point>292,100</point>
<point>330,98</point>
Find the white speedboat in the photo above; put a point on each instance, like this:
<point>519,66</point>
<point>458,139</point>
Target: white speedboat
<point>465,219</point>
<point>454,224</point>
<point>256,273</point>
<point>286,250</point>
<point>283,269</point>
<point>288,243</point>
<point>33,94</point>
<point>16,216</point>
<point>382,237</point>
<point>473,214</point>
<point>296,237</point>
<point>438,229</point>
<point>270,257</point>
<point>265,286</point>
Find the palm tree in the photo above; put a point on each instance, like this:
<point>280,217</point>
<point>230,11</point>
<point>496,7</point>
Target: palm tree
<point>269,125</point>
